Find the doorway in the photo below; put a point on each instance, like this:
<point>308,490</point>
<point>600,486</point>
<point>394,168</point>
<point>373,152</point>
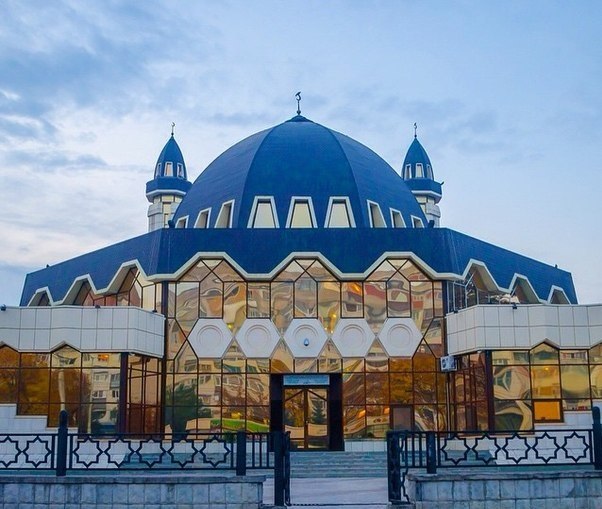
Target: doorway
<point>306,417</point>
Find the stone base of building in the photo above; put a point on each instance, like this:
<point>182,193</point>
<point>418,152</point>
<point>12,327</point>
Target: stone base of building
<point>119,490</point>
<point>508,489</point>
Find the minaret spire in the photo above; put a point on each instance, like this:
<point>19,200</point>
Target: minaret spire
<point>298,97</point>
<point>173,125</point>
<point>415,129</point>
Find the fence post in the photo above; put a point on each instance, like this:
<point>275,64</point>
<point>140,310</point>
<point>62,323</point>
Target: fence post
<point>431,453</point>
<point>61,444</point>
<point>393,466</point>
<point>597,436</point>
<point>241,453</point>
<point>278,468</point>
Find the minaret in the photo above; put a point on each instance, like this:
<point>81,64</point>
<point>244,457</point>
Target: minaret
<point>418,175</point>
<point>169,185</point>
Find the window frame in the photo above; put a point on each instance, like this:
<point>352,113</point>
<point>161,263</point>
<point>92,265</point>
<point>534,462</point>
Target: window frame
<point>339,199</point>
<point>252,217</point>
<point>229,204</point>
<point>291,209</point>
<point>373,206</point>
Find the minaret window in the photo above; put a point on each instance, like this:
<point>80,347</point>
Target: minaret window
<point>169,169</point>
<point>180,170</point>
<point>158,170</point>
<point>417,222</point>
<point>397,219</point>
<point>408,171</point>
<point>419,171</point>
<point>203,220</point>
<point>263,214</point>
<point>301,214</point>
<point>376,216</point>
<point>224,218</point>
<point>339,214</point>
<point>429,172</point>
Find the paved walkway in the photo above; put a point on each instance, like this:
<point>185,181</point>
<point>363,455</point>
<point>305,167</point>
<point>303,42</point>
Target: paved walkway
<point>349,493</point>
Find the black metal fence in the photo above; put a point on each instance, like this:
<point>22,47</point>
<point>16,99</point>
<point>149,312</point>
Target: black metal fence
<point>448,449</point>
<point>63,452</point>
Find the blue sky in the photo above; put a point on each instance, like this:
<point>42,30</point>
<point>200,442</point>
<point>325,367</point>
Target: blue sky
<point>507,97</point>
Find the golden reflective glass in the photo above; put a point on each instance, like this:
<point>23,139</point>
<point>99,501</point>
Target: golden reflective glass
<point>401,388</point>
<point>398,297</point>
<point>354,421</point>
<point>544,354</point>
<point>226,273</point>
<point>258,300</point>
<point>545,382</point>
<point>197,273</point>
<point>148,297</point>
<point>352,299</point>
<point>258,389</point>
<point>65,385</point>
<point>184,391</point>
<point>425,417</point>
<point>595,354</point>
<point>329,360</point>
<point>377,388</point>
<point>412,273</point>
<point>136,295</point>
<point>66,357</point>
<point>438,299</point>
<point>434,337</point>
<point>187,301</point>
<point>290,273</point>
<point>505,357</point>
<point>73,412</point>
<point>210,365</point>
<point>171,299</point>
<point>9,358</point>
<point>9,383</point>
<point>235,305</point>
<point>354,392</point>
<point>329,300</point>
<point>101,360</point>
<point>211,297</point>
<point>306,297</point>
<point>151,390</point>
<point>352,365</point>
<point>209,420</point>
<point>575,381</point>
<point>233,418</point>
<point>317,271</point>
<point>383,272</point>
<point>547,411</point>
<point>282,304</point>
<point>579,405</point>
<point>400,364</point>
<point>233,389</point>
<point>282,359</point>
<point>513,415</point>
<point>425,387</point>
<point>422,303</point>
<point>376,358</point>
<point>459,387</point>
<point>33,388</point>
<point>377,421</point>
<point>186,361</point>
<point>375,304</point>
<point>423,359</point>
<point>511,382</point>
<point>573,357</point>
<point>596,380</point>
<point>306,365</point>
<point>258,419</point>
<point>209,389</point>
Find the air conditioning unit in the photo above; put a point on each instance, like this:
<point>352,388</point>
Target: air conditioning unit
<point>448,363</point>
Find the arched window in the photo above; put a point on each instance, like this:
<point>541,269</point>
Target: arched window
<point>301,213</point>
<point>224,218</point>
<point>376,216</point>
<point>263,214</point>
<point>339,214</point>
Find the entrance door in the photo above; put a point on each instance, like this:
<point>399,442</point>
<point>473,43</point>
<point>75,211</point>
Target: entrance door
<point>306,416</point>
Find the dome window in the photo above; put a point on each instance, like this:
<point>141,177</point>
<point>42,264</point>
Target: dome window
<point>202,221</point>
<point>376,216</point>
<point>397,219</point>
<point>182,222</point>
<point>419,171</point>
<point>417,222</point>
<point>339,214</point>
<point>224,218</point>
<point>301,214</point>
<point>263,214</point>
<point>168,169</point>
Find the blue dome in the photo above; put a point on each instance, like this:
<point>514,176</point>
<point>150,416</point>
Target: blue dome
<point>170,172</point>
<point>299,159</point>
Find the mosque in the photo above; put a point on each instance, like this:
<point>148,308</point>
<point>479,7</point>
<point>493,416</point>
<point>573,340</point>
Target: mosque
<point>300,284</point>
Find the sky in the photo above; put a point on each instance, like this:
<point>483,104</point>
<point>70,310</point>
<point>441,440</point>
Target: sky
<point>507,97</point>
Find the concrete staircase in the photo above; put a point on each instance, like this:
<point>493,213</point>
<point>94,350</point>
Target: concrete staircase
<point>330,464</point>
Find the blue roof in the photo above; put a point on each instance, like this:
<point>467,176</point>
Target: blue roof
<point>417,155</point>
<point>351,251</point>
<point>299,158</point>
<point>173,179</point>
